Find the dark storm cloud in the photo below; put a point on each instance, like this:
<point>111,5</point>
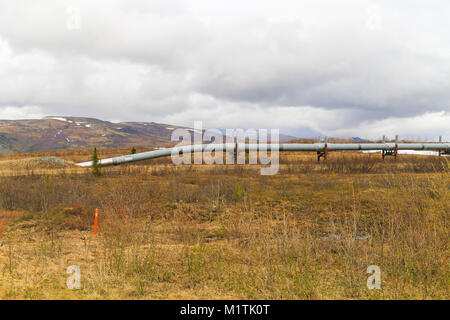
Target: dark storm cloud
<point>333,67</point>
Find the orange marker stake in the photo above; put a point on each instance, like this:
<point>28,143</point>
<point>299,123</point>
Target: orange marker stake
<point>96,221</point>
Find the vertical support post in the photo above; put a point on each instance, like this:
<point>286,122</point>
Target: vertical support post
<point>96,221</point>
<point>318,152</point>
<point>323,153</point>
<point>396,147</point>
<point>235,150</point>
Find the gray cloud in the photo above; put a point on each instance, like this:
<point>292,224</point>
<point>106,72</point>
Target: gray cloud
<point>349,68</point>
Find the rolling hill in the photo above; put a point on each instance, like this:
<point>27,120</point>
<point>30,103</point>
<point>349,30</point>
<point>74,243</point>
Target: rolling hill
<point>61,133</point>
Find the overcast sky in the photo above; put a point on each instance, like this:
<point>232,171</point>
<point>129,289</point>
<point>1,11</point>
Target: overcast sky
<point>336,68</point>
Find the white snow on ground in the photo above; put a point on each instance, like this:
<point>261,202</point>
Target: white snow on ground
<point>195,130</point>
<point>67,139</point>
<point>425,153</point>
<point>88,126</point>
<point>169,128</point>
<point>419,152</point>
<point>58,118</point>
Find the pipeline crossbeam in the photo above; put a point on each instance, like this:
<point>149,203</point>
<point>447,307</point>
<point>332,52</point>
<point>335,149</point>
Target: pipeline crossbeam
<point>240,147</point>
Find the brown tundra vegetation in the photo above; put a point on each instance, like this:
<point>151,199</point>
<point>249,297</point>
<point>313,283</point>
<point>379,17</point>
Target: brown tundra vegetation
<point>225,232</point>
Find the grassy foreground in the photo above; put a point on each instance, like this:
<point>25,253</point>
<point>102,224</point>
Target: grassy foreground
<point>211,232</point>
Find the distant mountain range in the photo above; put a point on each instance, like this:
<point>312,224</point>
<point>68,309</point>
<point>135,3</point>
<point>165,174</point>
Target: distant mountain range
<point>60,133</point>
<point>358,139</point>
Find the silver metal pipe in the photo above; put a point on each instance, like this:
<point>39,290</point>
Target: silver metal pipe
<point>231,147</point>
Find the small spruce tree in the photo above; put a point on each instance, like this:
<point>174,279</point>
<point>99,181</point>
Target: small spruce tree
<point>95,165</point>
<point>133,150</point>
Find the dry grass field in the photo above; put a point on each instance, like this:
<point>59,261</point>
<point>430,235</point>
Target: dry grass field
<point>224,232</point>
